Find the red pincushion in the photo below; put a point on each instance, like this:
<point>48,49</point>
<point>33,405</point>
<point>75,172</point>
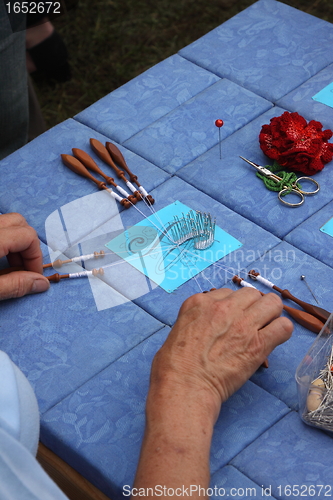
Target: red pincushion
<point>296,144</point>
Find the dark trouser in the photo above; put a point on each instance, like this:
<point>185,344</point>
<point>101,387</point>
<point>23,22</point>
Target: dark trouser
<point>14,111</point>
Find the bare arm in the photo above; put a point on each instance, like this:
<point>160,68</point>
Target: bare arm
<point>217,343</point>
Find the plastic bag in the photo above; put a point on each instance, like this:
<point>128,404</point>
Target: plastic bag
<point>314,377</point>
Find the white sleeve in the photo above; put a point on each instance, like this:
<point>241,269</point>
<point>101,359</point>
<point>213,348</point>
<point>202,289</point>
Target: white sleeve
<point>19,414</point>
<point>21,476</point>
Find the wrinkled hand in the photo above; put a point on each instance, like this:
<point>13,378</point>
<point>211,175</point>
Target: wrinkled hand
<point>19,242</point>
<point>218,341</point>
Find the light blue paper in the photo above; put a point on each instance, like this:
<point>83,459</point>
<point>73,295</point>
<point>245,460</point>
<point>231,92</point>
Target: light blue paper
<point>325,96</point>
<point>328,227</point>
<point>147,248</point>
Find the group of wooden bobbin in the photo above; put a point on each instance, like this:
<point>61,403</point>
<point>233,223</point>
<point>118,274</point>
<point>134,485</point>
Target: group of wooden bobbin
<point>55,278</point>
<point>82,162</point>
<point>312,317</point>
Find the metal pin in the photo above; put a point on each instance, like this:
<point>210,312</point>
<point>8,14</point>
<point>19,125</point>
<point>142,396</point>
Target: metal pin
<point>219,124</point>
<point>313,295</point>
<point>198,227</point>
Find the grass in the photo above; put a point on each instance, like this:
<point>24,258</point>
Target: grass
<point>112,41</point>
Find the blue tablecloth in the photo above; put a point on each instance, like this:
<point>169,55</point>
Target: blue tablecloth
<point>87,349</point>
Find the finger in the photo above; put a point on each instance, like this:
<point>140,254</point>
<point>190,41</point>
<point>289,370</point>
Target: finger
<point>199,298</point>
<point>239,299</point>
<point>266,309</point>
<point>21,246</point>
<point>17,284</point>
<point>12,219</point>
<point>276,332</point>
<point>7,270</point>
<point>220,293</point>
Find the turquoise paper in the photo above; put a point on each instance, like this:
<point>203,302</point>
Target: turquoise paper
<point>328,227</point>
<point>325,96</point>
<point>147,247</point>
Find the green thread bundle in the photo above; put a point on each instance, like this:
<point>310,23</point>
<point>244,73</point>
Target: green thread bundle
<point>287,179</point>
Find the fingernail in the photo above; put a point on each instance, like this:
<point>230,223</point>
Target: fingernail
<point>40,286</point>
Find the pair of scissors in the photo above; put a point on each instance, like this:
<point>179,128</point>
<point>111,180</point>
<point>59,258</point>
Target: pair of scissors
<point>294,189</point>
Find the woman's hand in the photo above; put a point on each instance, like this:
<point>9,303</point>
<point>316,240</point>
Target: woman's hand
<point>219,340</point>
<point>20,244</point>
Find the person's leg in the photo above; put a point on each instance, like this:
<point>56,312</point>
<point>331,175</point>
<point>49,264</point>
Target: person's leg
<point>37,125</point>
<point>46,50</point>
<point>14,113</point>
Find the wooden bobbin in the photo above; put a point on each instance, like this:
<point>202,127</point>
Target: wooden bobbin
<point>150,199</point>
<point>98,272</point>
<point>117,157</point>
<point>316,311</point>
<point>88,162</point>
<point>59,262</point>
<point>104,155</point>
<point>101,253</point>
<point>303,318</point>
<point>55,278</point>
<point>237,280</point>
<point>76,166</point>
<point>126,203</point>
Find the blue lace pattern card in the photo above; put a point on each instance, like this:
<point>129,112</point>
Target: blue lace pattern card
<point>325,95</point>
<point>152,247</point>
<point>328,227</point>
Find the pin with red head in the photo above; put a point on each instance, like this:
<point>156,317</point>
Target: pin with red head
<point>219,124</point>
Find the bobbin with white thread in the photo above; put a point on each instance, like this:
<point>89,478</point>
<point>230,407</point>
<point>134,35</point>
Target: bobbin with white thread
<point>239,281</point>
<point>122,191</point>
<point>55,278</point>
<point>90,164</point>
<point>316,311</point>
<point>256,276</point>
<point>131,187</point>
<point>305,319</point>
<point>79,168</point>
<point>117,157</point>
<point>86,274</point>
<point>236,279</point>
<point>59,262</point>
